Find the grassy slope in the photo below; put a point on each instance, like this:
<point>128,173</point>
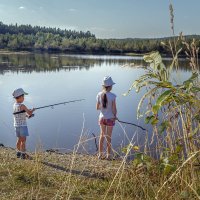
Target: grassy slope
<point>54,176</point>
<point>75,176</point>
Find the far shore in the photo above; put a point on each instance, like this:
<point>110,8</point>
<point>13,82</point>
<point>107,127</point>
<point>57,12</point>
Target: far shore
<point>24,52</point>
<point>8,52</point>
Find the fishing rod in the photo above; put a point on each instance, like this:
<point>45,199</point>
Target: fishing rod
<point>52,105</point>
<point>131,124</point>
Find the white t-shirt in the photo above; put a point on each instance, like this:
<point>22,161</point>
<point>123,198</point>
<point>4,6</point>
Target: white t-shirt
<point>19,119</point>
<point>107,112</point>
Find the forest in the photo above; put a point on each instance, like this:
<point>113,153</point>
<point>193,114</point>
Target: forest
<point>35,38</point>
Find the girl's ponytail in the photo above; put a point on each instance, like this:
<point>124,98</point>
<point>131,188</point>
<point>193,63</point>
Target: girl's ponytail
<point>104,100</point>
<point>104,96</point>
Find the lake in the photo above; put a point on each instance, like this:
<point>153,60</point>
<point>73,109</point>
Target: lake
<point>54,78</point>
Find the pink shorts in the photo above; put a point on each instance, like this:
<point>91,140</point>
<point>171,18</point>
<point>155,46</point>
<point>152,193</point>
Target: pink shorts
<point>106,122</point>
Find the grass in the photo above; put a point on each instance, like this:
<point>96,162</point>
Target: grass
<point>76,176</point>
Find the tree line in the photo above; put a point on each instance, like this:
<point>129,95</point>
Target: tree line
<point>27,37</point>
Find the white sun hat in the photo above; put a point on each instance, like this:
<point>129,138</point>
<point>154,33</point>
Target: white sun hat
<point>18,92</point>
<point>107,81</point>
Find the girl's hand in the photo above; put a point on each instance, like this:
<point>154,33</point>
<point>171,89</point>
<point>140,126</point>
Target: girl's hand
<point>115,118</point>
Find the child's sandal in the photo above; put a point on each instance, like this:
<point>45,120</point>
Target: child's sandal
<point>110,158</point>
<point>101,157</point>
<point>26,156</point>
<point>23,156</point>
<point>18,154</point>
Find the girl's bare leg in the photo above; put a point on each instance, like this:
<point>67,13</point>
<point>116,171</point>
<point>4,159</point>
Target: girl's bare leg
<point>101,139</point>
<point>108,139</point>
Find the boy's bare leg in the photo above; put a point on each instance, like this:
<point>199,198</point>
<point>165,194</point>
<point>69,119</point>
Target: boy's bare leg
<point>23,144</point>
<point>18,144</point>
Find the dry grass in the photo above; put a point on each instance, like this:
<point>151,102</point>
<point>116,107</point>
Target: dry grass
<point>77,176</point>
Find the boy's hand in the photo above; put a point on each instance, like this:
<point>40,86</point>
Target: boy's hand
<point>30,116</point>
<point>31,111</point>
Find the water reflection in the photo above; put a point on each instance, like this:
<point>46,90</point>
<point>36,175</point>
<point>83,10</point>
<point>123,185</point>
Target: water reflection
<point>28,63</point>
<point>50,62</point>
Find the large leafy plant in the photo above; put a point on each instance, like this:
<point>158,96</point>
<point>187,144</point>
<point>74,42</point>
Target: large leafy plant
<point>172,108</point>
<point>159,85</point>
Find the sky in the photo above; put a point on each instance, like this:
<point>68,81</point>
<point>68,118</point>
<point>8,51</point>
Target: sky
<point>106,18</point>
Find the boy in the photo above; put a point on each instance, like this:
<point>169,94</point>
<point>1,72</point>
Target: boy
<point>20,124</point>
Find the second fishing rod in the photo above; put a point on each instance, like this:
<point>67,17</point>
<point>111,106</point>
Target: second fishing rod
<point>51,105</point>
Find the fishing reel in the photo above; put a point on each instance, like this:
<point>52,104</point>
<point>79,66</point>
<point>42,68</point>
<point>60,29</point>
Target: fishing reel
<point>30,116</point>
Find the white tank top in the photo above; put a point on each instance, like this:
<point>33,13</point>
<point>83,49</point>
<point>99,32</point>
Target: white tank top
<point>19,119</point>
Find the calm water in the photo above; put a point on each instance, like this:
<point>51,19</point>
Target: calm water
<point>56,78</point>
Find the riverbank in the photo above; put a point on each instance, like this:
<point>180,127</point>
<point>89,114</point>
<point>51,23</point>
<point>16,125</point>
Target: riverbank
<point>50,175</point>
<point>8,52</point>
<point>68,52</point>
<point>23,52</point>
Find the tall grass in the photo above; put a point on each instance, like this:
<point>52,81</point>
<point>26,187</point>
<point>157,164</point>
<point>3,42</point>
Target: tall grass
<point>77,176</point>
<point>173,111</point>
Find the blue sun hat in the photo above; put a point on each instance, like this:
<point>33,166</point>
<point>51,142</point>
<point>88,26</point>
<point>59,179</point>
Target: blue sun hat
<point>107,81</point>
<point>19,92</point>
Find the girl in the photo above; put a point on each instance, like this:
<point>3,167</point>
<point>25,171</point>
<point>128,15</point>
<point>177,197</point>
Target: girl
<point>106,103</point>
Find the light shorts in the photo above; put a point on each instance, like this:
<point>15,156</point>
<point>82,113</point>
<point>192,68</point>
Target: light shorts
<point>106,122</point>
<point>21,131</point>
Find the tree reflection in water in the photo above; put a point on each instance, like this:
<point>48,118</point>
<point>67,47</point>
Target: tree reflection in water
<point>38,62</point>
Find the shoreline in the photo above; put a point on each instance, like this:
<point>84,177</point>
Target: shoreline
<point>73,176</point>
<point>8,52</point>
<point>62,162</point>
<point>35,51</point>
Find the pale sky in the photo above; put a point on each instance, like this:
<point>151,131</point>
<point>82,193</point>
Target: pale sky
<point>106,18</point>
